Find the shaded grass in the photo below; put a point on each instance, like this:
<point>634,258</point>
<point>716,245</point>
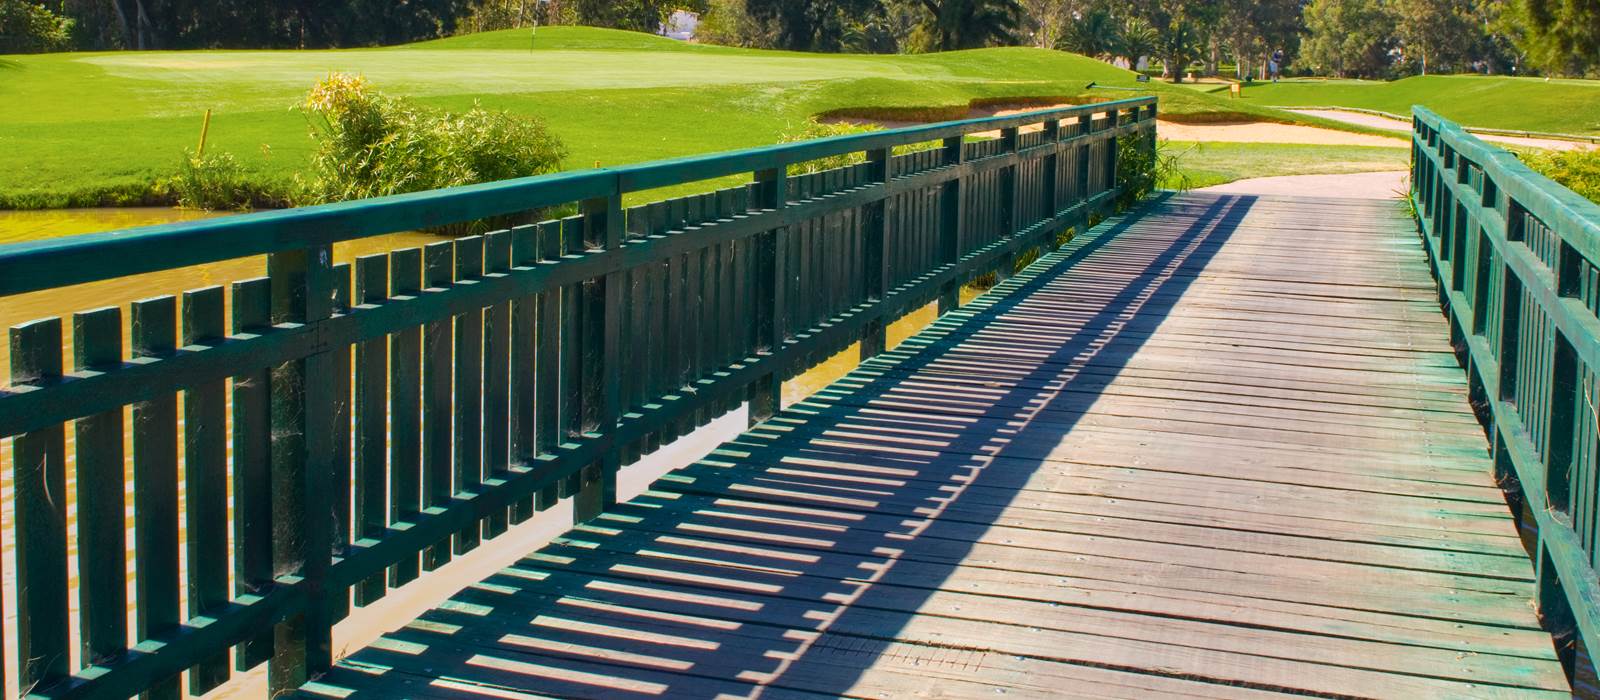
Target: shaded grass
<point>106,128</point>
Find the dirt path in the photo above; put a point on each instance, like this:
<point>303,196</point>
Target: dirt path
<point>1377,121</point>
<point>1379,185</point>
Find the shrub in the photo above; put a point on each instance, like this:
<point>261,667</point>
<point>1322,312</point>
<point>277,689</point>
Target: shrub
<point>217,181</point>
<point>30,27</point>
<point>1578,171</point>
<point>1143,164</point>
<point>372,145</point>
<point>812,129</point>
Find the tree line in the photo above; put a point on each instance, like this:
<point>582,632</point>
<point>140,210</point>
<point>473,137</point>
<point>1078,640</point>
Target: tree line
<point>1348,38</point>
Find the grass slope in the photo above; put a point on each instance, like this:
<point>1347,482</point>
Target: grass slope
<point>1211,163</point>
<point>99,128</point>
<point>1496,102</point>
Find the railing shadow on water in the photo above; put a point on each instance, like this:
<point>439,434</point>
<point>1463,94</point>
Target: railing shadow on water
<point>790,560</point>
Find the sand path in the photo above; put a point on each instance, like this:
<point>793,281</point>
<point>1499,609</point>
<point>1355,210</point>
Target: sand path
<point>1390,184</point>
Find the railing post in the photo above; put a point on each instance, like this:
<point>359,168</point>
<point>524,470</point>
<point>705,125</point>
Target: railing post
<point>1011,194</point>
<point>952,221</point>
<point>1049,186</point>
<point>602,389</point>
<point>39,478</point>
<point>302,431</point>
<point>766,392</point>
<point>874,337</point>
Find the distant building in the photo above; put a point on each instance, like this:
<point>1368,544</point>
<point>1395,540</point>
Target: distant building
<point>680,25</point>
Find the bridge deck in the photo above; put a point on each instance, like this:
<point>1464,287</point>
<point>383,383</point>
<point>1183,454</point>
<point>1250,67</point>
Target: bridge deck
<point>1221,449</point>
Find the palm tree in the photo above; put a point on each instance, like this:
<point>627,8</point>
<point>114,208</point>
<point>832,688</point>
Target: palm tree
<point>970,24</point>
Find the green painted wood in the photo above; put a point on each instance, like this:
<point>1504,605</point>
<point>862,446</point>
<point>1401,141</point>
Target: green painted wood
<point>38,476</point>
<point>371,475</point>
<point>252,478</point>
<point>632,338</point>
<point>468,403</point>
<point>547,361</point>
<point>205,483</point>
<point>405,409</point>
<point>302,415</point>
<point>523,339</point>
<point>1518,313</point>
<point>341,460</point>
<point>155,488</point>
<point>102,527</point>
<point>437,449</point>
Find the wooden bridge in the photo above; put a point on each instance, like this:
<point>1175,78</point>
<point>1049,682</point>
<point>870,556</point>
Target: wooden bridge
<point>1214,445</point>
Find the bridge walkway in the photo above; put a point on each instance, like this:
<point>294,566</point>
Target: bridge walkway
<point>1219,448</point>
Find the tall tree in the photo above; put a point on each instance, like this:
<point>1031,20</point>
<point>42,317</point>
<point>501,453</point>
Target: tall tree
<point>1349,38</point>
<point>971,24</point>
<point>1440,33</point>
<point>1559,36</point>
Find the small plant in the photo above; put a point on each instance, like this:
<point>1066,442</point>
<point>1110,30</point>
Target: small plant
<point>812,129</point>
<point>1144,164</point>
<point>371,145</point>
<point>211,181</point>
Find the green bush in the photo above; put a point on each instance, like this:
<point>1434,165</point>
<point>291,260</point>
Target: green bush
<point>30,27</point>
<point>217,181</point>
<point>1578,171</point>
<point>371,145</point>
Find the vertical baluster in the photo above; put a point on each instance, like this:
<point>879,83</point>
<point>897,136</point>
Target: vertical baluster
<point>572,350</point>
<point>879,218</point>
<point>469,387</point>
<point>252,472</point>
<point>102,526</point>
<point>496,373</point>
<point>371,421</point>
<point>952,215</point>
<point>766,392</point>
<point>524,348</point>
<point>303,449</point>
<point>405,408</point>
<point>341,462</point>
<point>436,400</point>
<point>155,488</point>
<point>39,482</point>
<point>205,479</point>
<point>603,228</point>
<point>547,362</point>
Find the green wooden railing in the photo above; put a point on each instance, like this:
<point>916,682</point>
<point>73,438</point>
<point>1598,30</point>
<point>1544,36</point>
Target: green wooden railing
<point>1517,258</point>
<point>336,435</point>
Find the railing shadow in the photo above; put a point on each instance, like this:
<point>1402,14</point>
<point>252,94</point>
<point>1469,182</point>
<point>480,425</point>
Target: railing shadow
<point>791,561</point>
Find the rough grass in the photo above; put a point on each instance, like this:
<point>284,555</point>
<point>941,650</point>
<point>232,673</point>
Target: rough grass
<point>105,128</point>
<point>1494,102</point>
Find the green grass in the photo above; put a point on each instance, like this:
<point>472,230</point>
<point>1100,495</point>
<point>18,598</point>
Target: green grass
<point>99,128</point>
<point>1206,164</point>
<point>1495,102</point>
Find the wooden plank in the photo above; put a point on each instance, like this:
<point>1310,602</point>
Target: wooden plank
<point>155,488</point>
<point>437,449</point>
<point>38,462</point>
<point>405,408</point>
<point>496,373</point>
<point>205,483</point>
<point>101,483</point>
<point>252,478</point>
<point>467,440</point>
<point>523,338</point>
<point>371,478</point>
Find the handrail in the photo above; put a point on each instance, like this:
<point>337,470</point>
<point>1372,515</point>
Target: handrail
<point>355,425</point>
<point>1515,255</point>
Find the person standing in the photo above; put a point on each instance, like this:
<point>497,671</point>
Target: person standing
<point>1275,66</point>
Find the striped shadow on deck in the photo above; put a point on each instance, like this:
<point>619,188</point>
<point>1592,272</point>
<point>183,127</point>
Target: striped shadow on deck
<point>1217,449</point>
